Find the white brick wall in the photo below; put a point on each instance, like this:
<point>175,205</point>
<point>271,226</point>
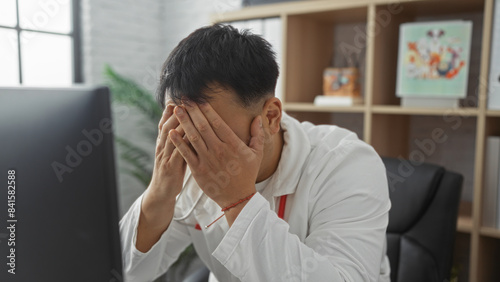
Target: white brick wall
<point>128,36</point>
<point>125,34</point>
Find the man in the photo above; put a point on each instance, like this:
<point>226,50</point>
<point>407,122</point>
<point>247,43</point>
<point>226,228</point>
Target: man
<point>299,202</point>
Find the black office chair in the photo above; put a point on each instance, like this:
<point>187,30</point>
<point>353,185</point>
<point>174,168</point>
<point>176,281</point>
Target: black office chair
<point>422,221</point>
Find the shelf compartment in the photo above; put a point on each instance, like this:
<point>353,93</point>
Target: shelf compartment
<point>460,132</point>
<point>431,139</point>
<point>386,44</point>
<point>394,109</point>
<point>389,135</point>
<point>313,42</point>
<point>310,107</point>
<point>489,250</point>
<point>492,126</point>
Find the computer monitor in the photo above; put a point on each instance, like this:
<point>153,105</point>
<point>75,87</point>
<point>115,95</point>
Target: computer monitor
<point>58,202</point>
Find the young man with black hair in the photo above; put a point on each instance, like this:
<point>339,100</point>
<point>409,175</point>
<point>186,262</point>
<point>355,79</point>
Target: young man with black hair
<point>299,202</point>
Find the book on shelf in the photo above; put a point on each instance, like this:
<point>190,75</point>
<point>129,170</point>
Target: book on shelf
<point>494,79</point>
<point>433,61</point>
<point>491,194</point>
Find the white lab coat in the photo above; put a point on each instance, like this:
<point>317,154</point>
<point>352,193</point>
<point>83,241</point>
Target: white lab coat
<point>335,218</point>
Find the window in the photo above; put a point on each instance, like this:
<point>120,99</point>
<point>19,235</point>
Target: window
<point>39,42</point>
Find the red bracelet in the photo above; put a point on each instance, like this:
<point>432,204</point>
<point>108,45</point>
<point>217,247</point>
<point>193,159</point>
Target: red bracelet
<point>231,206</point>
<point>237,203</point>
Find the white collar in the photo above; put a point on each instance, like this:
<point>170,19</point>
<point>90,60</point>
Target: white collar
<point>296,149</point>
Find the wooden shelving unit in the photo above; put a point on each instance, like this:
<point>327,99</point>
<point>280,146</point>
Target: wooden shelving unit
<point>308,29</point>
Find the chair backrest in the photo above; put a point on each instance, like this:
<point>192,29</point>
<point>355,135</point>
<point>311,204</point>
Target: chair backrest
<point>422,220</point>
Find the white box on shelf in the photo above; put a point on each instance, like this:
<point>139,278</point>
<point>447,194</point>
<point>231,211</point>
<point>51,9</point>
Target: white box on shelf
<point>342,101</point>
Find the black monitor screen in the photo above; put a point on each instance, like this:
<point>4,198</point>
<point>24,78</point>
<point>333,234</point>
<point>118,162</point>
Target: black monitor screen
<point>58,207</point>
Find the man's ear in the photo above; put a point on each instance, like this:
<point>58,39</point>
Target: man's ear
<point>272,114</point>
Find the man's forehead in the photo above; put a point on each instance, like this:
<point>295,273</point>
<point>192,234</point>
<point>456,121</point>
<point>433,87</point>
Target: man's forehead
<point>215,95</point>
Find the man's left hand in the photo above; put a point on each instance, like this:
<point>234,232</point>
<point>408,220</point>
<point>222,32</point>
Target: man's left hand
<point>224,167</point>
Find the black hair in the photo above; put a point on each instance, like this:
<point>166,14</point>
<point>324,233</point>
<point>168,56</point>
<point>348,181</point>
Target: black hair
<point>240,61</point>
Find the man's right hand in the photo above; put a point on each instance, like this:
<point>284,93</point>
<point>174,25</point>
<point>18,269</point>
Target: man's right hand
<point>157,207</point>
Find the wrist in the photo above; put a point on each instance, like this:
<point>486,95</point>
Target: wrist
<point>157,196</point>
<point>231,212</point>
<point>234,197</point>
<point>233,208</point>
<point>154,208</point>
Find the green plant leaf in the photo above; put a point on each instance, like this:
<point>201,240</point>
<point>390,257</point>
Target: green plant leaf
<point>128,92</point>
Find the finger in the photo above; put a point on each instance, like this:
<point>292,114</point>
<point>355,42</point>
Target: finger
<point>190,130</point>
<point>169,146</point>
<point>202,126</point>
<point>177,159</point>
<point>166,114</point>
<point>187,153</point>
<point>171,123</point>
<point>177,163</point>
<point>257,136</point>
<point>221,129</point>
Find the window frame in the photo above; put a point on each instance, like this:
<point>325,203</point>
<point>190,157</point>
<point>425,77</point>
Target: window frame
<point>75,36</point>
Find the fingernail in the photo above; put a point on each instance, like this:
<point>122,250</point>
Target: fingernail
<point>179,111</point>
<point>260,121</point>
